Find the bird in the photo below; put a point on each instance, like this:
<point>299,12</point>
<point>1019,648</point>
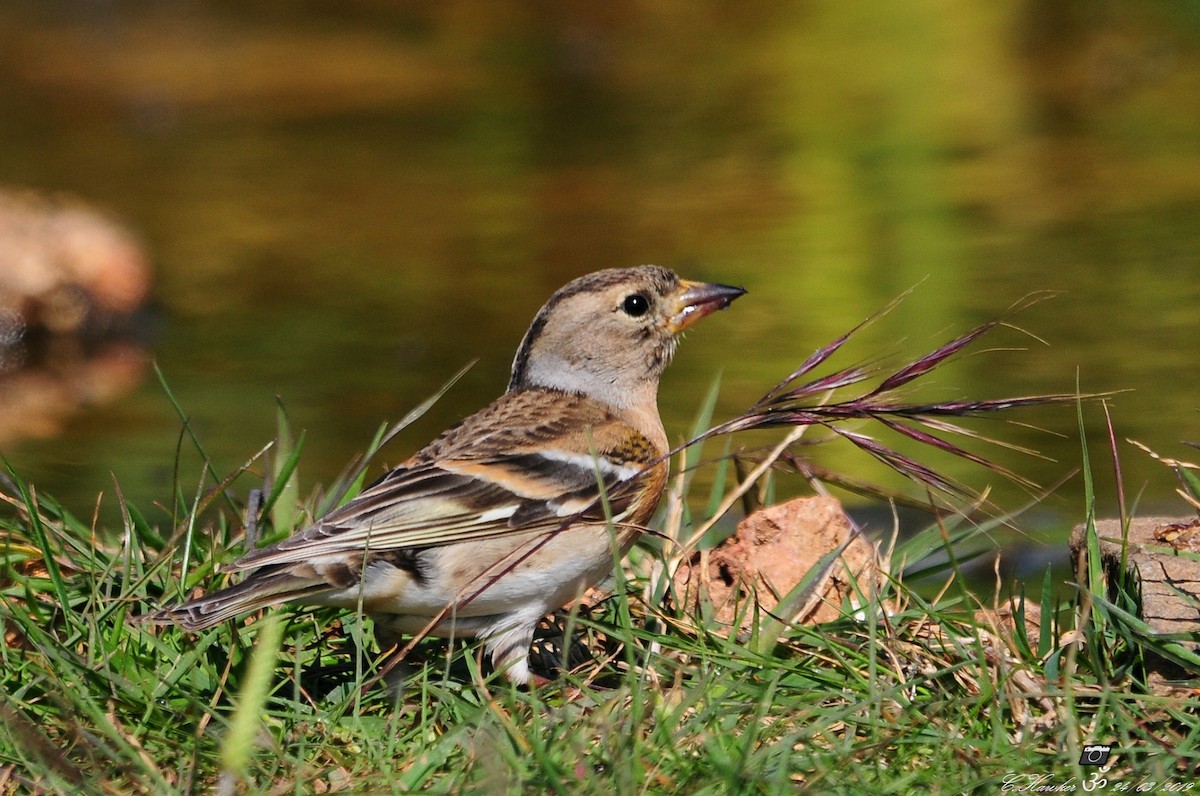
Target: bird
<point>517,509</point>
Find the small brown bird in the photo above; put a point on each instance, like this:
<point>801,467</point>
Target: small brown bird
<point>511,513</point>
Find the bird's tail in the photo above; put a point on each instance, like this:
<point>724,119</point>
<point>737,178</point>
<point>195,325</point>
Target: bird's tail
<point>261,589</point>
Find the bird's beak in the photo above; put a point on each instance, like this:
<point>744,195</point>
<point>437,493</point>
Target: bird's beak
<point>694,300</point>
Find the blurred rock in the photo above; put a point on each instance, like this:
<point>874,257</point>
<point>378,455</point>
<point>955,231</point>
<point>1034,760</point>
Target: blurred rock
<point>770,554</point>
<point>65,268</point>
<point>73,285</point>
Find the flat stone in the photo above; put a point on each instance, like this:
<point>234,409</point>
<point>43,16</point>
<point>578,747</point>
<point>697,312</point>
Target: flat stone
<point>1164,552</point>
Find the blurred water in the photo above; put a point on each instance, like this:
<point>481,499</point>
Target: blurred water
<point>344,209</point>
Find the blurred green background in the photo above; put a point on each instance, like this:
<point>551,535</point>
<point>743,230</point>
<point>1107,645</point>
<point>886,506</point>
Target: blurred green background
<point>345,203</point>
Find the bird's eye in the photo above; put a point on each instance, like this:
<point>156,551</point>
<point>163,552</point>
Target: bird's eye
<point>636,305</point>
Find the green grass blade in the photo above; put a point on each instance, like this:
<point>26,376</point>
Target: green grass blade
<point>716,495</point>
<point>1190,480</point>
<point>794,600</point>
<point>284,484</point>
<point>1046,628</point>
<point>191,432</point>
<point>691,456</point>
<point>1096,581</point>
<point>239,741</point>
<point>1166,645</point>
<point>41,538</point>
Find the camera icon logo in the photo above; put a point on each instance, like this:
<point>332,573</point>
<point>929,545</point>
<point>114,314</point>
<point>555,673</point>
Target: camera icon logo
<point>1095,755</point>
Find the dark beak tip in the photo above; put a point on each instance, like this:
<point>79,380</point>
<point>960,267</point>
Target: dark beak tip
<point>730,293</point>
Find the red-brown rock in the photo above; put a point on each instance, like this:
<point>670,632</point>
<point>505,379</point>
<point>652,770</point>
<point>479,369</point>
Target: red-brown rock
<point>770,554</point>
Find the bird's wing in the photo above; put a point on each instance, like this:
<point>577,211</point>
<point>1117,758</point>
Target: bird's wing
<point>459,500</point>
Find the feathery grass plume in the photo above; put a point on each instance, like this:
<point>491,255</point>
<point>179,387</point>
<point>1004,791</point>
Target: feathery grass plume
<point>797,402</point>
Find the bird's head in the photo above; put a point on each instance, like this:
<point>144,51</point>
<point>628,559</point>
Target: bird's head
<point>610,334</point>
